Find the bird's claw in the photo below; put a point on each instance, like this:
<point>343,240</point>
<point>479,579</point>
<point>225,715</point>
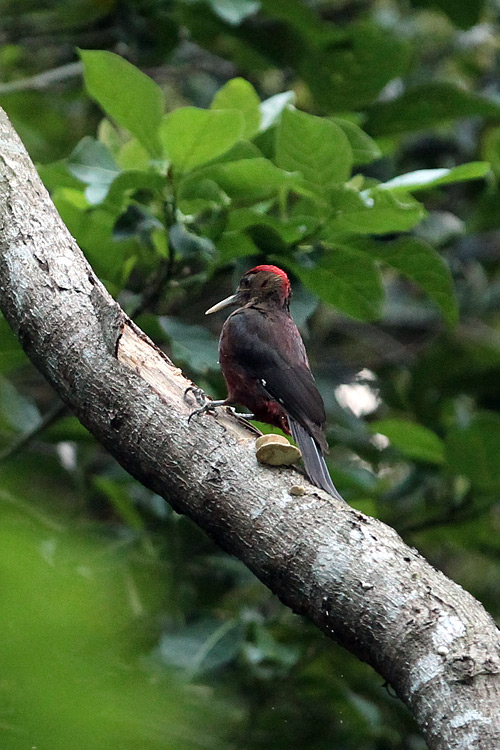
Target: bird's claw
<point>198,395</point>
<point>202,410</point>
<point>204,403</point>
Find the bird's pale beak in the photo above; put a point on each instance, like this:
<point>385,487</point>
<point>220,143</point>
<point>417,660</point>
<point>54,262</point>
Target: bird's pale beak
<point>232,300</point>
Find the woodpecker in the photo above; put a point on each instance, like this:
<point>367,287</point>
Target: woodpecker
<point>265,366</point>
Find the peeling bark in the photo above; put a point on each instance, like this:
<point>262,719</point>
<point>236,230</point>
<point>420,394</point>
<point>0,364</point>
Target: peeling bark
<point>350,574</point>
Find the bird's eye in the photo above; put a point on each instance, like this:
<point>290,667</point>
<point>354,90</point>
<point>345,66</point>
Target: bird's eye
<point>245,282</point>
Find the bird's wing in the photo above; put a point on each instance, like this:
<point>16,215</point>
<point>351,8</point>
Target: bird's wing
<point>269,347</point>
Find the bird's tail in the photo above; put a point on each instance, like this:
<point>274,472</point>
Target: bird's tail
<point>316,468</point>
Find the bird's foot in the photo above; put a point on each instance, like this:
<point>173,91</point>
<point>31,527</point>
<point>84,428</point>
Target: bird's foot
<point>197,393</point>
<point>207,405</point>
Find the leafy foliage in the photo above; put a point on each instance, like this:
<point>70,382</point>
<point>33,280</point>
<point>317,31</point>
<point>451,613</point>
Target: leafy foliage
<point>303,175</point>
<point>351,145</point>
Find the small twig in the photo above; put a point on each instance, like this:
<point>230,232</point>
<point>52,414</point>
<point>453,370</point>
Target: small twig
<point>43,80</point>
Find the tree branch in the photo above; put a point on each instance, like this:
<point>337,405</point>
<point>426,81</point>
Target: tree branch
<point>350,574</point>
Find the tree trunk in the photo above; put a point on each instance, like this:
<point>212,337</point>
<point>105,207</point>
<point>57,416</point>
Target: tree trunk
<point>350,574</point>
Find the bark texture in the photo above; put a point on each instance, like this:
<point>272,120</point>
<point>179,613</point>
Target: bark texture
<point>350,574</point>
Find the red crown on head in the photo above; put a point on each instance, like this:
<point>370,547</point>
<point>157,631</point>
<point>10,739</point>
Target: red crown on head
<point>272,269</point>
<point>287,287</point>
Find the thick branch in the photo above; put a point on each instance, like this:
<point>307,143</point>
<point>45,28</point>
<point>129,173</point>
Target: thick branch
<point>350,574</point>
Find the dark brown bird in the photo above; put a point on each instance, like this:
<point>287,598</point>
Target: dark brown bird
<point>265,366</point>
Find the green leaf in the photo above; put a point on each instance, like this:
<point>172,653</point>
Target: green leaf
<point>379,213</point>
<point>474,450</point>
<point>130,181</point>
<point>197,194</point>
<point>235,245</point>
<point>347,279</point>
<point>192,136</point>
<point>413,440</point>
<point>423,179</point>
<point>188,244</point>
<point>130,97</point>
<point>239,94</point>
<point>422,264</point>
<point>251,180</point>
<point>133,155</point>
<point>317,147</point>
<point>348,70</point>
<point>241,150</point>
<point>425,106</point>
<point>490,149</point>
<point>290,230</point>
<point>271,109</point>
<point>191,344</point>
<point>111,136</point>
<point>364,148</point>
<point>92,163</point>
<point>56,175</point>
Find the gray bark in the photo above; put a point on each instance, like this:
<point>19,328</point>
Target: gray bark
<point>350,574</point>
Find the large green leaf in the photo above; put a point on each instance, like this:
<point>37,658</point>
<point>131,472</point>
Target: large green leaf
<point>196,194</point>
<point>423,179</point>
<point>347,279</point>
<point>316,147</point>
<point>251,180</point>
<point>132,180</point>
<point>364,148</point>
<point>126,94</point>
<point>379,213</point>
<point>425,106</point>
<point>413,440</point>
<point>474,451</point>
<point>347,70</point>
<point>290,230</point>
<point>235,245</point>
<point>422,264</point>
<point>192,136</point>
<point>239,94</point>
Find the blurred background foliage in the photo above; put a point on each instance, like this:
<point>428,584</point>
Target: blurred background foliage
<point>121,625</point>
